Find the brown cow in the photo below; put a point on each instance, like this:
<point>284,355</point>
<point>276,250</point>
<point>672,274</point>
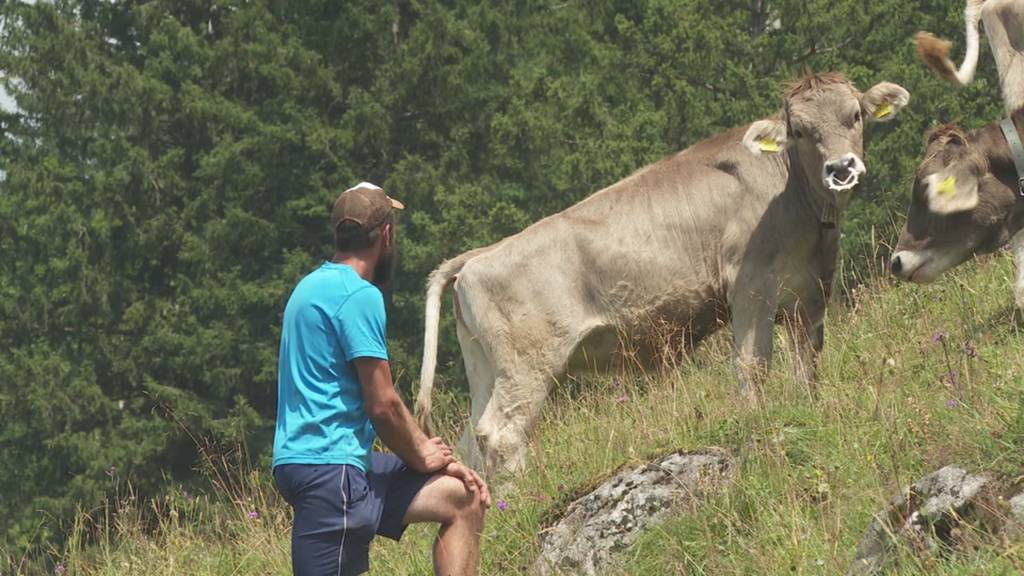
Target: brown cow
<point>965,201</point>
<point>966,197</point>
<point>741,226</point>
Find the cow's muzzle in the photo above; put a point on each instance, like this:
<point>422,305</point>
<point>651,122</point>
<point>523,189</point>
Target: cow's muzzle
<point>844,173</point>
<point>912,266</point>
<point>896,265</point>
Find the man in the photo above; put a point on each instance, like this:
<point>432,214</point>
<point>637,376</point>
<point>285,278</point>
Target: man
<point>335,394</point>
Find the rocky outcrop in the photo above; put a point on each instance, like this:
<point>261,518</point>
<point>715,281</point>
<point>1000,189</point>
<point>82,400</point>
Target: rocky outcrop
<point>611,517</point>
<point>933,516</point>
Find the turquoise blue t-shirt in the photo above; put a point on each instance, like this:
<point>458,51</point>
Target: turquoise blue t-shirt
<point>332,317</point>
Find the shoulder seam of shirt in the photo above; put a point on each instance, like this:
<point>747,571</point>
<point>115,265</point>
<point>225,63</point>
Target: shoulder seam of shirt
<point>349,297</point>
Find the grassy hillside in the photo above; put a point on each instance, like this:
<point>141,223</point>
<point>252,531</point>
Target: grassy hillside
<point>912,378</point>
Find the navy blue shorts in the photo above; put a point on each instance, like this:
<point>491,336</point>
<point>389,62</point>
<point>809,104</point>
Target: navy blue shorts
<point>339,509</point>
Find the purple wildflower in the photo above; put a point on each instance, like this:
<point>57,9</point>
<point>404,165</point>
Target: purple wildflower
<point>502,505</point>
<point>622,398</point>
<point>951,403</point>
<point>253,515</point>
<point>938,336</point>
<point>59,568</point>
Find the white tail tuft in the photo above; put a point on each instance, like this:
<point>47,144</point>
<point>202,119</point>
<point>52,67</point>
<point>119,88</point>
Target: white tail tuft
<point>439,279</point>
<point>432,318</point>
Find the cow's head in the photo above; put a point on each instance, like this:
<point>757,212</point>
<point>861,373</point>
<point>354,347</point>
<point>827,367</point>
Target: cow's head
<point>822,125</point>
<point>958,206</point>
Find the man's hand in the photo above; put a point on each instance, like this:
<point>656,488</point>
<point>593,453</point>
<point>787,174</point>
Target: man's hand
<point>474,483</point>
<point>433,455</point>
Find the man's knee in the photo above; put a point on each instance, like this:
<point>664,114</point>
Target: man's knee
<point>466,505</point>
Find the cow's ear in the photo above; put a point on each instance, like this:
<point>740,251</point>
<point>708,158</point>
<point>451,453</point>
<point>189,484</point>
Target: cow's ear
<point>883,101</point>
<point>766,136</point>
<point>951,191</point>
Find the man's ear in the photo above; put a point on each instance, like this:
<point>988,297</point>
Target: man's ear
<point>951,190</point>
<point>766,136</point>
<point>883,101</point>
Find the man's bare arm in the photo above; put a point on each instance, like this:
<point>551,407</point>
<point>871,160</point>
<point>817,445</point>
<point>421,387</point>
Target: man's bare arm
<point>394,423</point>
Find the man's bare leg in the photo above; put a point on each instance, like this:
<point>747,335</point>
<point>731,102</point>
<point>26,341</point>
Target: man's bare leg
<point>447,501</point>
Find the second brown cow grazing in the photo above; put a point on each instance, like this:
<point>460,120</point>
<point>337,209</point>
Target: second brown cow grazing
<point>965,201</point>
<point>967,198</point>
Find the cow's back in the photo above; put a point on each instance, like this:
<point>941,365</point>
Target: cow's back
<point>658,248</point>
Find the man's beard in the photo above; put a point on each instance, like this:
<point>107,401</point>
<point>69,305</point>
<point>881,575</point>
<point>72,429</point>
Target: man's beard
<point>384,274</point>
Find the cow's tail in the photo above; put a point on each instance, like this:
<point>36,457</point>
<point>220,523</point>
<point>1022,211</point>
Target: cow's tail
<point>934,51</point>
<point>438,280</point>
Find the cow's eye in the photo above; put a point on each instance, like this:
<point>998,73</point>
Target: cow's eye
<point>856,117</point>
<point>798,134</point>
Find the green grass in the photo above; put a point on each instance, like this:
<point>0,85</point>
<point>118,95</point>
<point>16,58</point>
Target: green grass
<point>811,472</point>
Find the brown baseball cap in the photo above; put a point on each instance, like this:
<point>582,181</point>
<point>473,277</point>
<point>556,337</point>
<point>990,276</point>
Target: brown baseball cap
<point>365,205</point>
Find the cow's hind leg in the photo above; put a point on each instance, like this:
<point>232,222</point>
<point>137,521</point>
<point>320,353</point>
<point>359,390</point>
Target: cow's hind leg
<point>514,408</point>
<point>1017,246</point>
<point>480,374</point>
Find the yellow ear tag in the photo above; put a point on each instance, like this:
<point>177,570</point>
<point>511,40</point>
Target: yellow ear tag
<point>947,187</point>
<point>768,145</point>
<point>884,109</point>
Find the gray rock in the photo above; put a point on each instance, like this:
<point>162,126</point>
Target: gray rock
<point>924,515</point>
<point>611,517</point>
<point>1017,507</point>
<point>1013,523</point>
